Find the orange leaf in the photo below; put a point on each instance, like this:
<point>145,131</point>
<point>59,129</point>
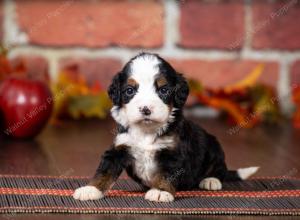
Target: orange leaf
<point>239,115</point>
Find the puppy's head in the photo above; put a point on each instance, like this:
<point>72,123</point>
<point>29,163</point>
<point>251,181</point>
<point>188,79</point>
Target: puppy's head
<point>147,92</point>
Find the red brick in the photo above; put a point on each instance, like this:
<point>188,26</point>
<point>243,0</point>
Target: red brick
<point>36,67</point>
<point>276,25</point>
<point>93,70</point>
<point>295,74</point>
<point>212,24</point>
<point>92,23</point>
<point>215,74</point>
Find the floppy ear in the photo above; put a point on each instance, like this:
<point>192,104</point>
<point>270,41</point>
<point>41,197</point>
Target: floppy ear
<point>114,90</point>
<point>181,91</point>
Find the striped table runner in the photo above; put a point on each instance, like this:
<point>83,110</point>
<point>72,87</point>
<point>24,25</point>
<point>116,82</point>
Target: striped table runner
<point>49,194</point>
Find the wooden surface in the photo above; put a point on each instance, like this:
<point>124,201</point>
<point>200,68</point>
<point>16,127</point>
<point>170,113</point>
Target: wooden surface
<point>74,148</point>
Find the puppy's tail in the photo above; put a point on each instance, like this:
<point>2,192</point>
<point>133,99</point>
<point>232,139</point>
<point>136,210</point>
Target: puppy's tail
<point>240,174</point>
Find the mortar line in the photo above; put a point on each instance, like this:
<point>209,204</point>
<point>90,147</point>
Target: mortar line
<point>284,87</point>
<point>171,25</point>
<point>265,55</point>
<point>247,28</point>
<point>12,34</point>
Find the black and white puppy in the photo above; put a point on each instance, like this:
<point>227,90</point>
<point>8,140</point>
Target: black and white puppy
<point>155,144</point>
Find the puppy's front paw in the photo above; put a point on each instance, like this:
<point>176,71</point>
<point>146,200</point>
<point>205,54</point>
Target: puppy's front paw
<point>87,193</point>
<point>211,183</point>
<point>156,195</point>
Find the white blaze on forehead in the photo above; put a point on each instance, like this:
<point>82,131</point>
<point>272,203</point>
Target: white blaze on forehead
<point>144,68</point>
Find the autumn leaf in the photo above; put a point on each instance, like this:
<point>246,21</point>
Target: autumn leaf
<point>195,86</point>
<point>246,103</point>
<point>248,81</point>
<point>6,67</point>
<point>265,103</point>
<point>89,106</point>
<point>75,99</point>
<point>236,112</point>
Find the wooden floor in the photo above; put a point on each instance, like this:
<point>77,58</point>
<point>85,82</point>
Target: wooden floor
<point>74,148</point>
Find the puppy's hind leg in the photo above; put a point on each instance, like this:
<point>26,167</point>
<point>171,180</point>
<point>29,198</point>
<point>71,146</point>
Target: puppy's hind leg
<point>210,183</point>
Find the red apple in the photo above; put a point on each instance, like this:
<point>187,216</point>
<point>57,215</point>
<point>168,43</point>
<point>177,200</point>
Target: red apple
<point>25,107</point>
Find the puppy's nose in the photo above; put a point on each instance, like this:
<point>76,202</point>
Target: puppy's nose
<point>145,110</point>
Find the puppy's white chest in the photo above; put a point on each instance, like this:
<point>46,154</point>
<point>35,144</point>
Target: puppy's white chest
<point>145,165</point>
<point>143,148</point>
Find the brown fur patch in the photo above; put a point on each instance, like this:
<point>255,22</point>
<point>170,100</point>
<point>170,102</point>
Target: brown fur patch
<point>161,81</point>
<point>132,82</point>
<point>102,182</point>
<point>121,147</point>
<point>162,183</point>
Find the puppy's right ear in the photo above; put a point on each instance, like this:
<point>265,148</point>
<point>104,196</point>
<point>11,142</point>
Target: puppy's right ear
<point>181,91</point>
<point>114,90</point>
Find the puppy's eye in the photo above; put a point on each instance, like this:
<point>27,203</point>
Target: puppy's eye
<point>163,90</point>
<point>130,91</point>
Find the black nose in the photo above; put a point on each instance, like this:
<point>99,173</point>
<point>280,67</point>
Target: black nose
<point>145,111</point>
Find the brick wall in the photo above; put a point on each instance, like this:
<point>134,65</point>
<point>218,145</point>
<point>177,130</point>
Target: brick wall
<point>217,41</point>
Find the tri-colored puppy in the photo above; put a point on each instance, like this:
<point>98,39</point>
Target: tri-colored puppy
<point>155,144</point>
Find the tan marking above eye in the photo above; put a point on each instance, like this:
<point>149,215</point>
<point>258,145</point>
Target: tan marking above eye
<point>161,81</point>
<point>132,82</point>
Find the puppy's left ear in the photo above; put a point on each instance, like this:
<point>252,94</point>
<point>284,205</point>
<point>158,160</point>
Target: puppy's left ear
<point>181,91</point>
<point>114,90</point>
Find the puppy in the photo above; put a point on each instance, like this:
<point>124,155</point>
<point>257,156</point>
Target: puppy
<point>155,144</point>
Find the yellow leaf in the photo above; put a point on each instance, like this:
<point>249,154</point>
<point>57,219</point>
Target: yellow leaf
<point>75,99</point>
<point>89,106</point>
<point>195,86</point>
<point>248,81</point>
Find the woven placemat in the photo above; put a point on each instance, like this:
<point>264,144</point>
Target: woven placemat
<point>47,194</point>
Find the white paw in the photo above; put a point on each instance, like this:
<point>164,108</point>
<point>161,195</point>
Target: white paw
<point>87,193</point>
<point>211,183</point>
<point>156,195</point>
